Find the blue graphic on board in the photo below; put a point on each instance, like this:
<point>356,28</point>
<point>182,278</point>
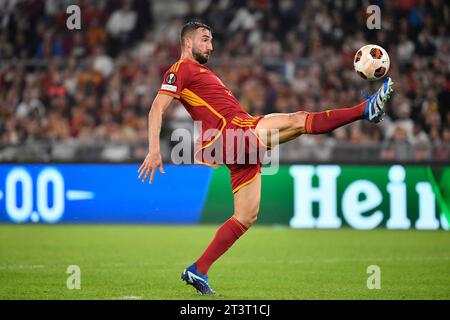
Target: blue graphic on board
<point>101,193</point>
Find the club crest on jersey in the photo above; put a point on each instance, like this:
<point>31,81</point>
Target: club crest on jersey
<point>171,78</point>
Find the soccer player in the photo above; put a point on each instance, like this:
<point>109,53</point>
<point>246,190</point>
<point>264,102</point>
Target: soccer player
<point>208,100</point>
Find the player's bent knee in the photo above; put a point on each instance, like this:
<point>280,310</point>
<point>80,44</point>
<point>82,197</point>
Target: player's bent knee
<point>249,216</point>
<point>253,219</point>
<point>298,120</point>
<point>248,221</point>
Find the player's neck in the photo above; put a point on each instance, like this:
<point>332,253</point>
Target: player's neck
<point>188,57</point>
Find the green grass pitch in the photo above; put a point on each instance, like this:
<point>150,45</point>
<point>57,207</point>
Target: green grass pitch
<point>145,262</point>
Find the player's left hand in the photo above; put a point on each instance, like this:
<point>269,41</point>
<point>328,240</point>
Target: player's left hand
<point>151,162</point>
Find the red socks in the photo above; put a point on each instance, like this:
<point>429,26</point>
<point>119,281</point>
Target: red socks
<point>327,121</point>
<point>227,234</point>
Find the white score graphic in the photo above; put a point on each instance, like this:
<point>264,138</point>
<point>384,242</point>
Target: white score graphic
<point>20,177</point>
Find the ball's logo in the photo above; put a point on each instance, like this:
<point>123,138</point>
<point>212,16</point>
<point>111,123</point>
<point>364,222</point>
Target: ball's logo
<point>171,78</point>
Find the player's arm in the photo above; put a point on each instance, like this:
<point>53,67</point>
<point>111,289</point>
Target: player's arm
<point>153,159</point>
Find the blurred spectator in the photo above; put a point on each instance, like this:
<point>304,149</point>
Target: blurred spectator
<point>120,26</point>
<point>102,62</point>
<point>405,50</point>
<point>49,47</point>
<point>30,104</point>
<point>397,147</point>
<point>96,34</point>
<point>270,47</point>
<point>246,17</point>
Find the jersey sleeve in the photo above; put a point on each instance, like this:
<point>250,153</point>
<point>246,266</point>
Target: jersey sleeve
<point>175,79</point>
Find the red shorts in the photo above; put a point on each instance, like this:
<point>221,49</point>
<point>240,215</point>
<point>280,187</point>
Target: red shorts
<point>239,148</point>
<point>245,171</point>
<point>242,174</point>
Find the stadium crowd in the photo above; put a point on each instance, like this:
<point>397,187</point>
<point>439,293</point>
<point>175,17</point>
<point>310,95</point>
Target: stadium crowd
<point>97,84</point>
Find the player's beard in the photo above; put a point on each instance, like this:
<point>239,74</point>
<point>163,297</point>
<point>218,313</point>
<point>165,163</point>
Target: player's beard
<point>201,58</point>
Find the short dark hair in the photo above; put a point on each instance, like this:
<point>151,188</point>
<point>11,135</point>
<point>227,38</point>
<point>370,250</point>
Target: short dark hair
<point>192,26</point>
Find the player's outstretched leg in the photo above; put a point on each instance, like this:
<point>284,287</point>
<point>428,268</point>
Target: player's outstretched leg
<point>292,125</point>
<point>371,109</point>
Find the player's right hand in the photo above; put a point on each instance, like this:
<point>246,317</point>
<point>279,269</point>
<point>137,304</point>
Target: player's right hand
<point>151,162</point>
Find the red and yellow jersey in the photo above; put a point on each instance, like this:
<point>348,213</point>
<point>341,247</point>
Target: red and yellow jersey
<point>203,95</point>
<point>206,99</point>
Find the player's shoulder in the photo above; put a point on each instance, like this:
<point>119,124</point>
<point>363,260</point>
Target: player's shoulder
<point>188,66</point>
<point>180,66</point>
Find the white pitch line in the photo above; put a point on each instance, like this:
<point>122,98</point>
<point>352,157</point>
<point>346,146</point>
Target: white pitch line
<point>129,298</point>
<point>362,259</point>
<point>21,266</point>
